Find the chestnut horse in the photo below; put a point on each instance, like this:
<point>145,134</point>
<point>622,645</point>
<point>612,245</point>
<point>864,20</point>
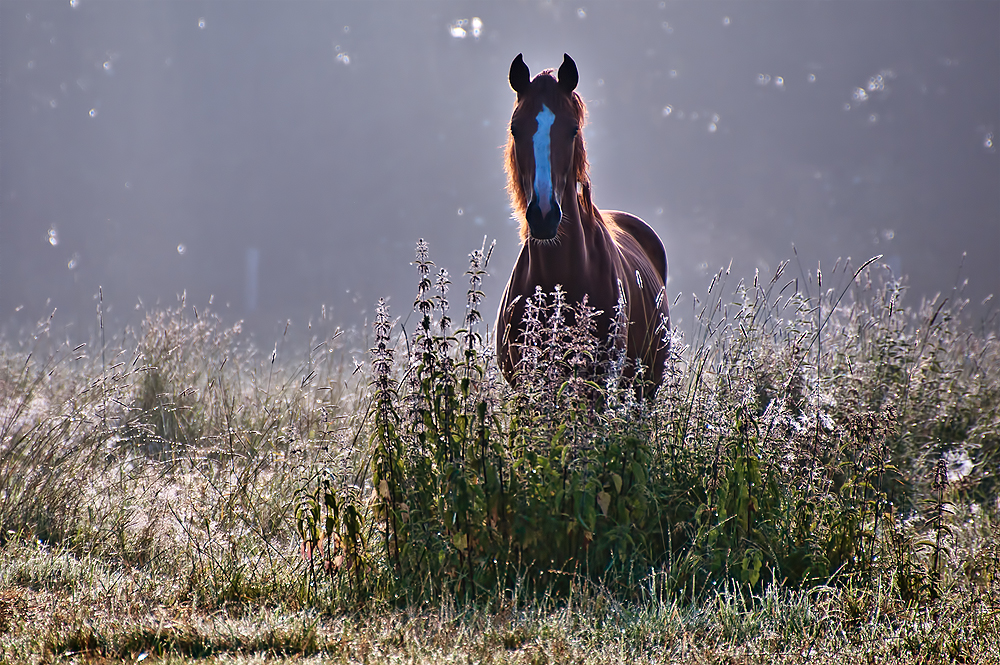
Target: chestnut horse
<point>609,256</point>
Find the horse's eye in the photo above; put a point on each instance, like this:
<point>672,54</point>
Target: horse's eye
<point>576,130</point>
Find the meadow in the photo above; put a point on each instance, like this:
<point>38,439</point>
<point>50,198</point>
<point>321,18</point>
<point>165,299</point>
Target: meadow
<point>815,482</point>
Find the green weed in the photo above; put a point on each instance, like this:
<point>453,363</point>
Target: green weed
<point>787,447</point>
<point>815,480</point>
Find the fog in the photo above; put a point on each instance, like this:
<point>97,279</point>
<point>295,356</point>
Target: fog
<point>272,159</point>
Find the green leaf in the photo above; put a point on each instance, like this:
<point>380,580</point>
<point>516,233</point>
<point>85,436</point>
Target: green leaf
<point>638,473</point>
<point>604,500</point>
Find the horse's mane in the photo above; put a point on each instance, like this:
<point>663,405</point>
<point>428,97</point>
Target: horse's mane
<point>581,169</point>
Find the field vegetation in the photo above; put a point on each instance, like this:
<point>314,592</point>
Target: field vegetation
<point>815,481</point>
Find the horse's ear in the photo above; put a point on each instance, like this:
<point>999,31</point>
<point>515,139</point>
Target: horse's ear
<point>568,75</point>
<point>520,77</point>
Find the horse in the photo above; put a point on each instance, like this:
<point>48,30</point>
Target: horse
<point>612,258</point>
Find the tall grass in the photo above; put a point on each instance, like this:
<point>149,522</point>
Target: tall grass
<point>817,446</point>
<point>178,447</point>
<point>800,439</point>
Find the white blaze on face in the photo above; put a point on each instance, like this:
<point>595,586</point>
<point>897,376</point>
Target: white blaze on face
<point>543,168</point>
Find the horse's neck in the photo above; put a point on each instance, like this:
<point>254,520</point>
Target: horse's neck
<point>567,261</point>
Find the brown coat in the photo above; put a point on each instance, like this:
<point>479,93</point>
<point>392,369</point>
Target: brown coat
<point>566,240</point>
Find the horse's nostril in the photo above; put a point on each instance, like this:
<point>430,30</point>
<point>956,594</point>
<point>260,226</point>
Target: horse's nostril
<point>555,212</point>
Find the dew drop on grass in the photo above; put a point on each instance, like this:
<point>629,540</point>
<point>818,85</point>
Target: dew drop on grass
<point>93,113</point>
<point>181,248</point>
<point>74,3</point>
<point>667,110</point>
<point>581,13</point>
<point>201,23</point>
<point>812,78</point>
<point>53,236</point>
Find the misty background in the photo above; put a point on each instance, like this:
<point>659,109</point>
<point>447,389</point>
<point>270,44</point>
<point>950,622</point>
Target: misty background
<point>272,159</point>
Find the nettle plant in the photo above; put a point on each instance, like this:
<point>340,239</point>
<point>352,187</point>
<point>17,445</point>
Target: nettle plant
<point>474,485</point>
<point>767,456</point>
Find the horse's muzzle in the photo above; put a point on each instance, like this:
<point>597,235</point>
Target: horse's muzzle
<point>543,226</point>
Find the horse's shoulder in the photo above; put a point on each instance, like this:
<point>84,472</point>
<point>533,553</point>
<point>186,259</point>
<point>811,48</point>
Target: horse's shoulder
<point>643,233</point>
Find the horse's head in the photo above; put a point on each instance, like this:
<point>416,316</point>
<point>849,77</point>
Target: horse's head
<point>545,149</point>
